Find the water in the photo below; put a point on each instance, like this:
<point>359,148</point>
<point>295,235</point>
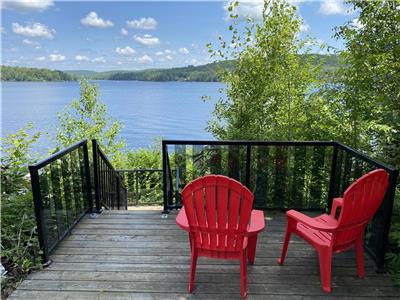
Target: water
<point>149,110</point>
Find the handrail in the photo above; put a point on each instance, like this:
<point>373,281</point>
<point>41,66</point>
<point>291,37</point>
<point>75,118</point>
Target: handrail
<point>60,207</point>
<point>143,186</point>
<point>110,191</point>
<point>368,159</point>
<point>138,170</point>
<point>248,142</point>
<point>58,155</point>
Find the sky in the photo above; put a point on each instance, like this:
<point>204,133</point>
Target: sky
<point>133,35</point>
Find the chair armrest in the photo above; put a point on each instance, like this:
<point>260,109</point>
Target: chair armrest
<point>181,220</point>
<point>257,223</point>
<point>336,203</point>
<point>310,222</point>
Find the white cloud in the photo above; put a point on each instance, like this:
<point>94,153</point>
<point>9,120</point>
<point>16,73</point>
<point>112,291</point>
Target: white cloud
<point>192,61</point>
<point>27,5</point>
<point>98,60</point>
<point>12,61</point>
<point>81,58</point>
<point>2,30</point>
<point>143,23</point>
<point>34,30</point>
<point>356,24</point>
<point>183,51</point>
<point>145,59</point>
<point>125,51</point>
<point>159,53</point>
<point>247,9</point>
<point>34,44</point>
<point>147,40</point>
<point>56,57</point>
<point>167,51</point>
<point>304,27</point>
<point>92,19</point>
<point>332,7</point>
<point>41,58</point>
<point>124,31</point>
<point>168,57</point>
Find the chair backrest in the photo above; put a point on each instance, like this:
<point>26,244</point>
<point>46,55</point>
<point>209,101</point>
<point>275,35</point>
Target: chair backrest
<point>360,202</point>
<point>218,209</point>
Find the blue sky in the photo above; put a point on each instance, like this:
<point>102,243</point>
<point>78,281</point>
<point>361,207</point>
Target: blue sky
<point>131,35</point>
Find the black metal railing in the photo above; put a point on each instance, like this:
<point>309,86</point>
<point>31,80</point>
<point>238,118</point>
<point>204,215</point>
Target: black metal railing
<point>143,186</point>
<point>282,175</point>
<point>349,165</point>
<point>62,194</point>
<point>110,191</point>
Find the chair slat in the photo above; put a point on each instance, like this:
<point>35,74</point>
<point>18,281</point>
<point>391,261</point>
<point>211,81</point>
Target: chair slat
<point>210,191</point>
<point>222,208</point>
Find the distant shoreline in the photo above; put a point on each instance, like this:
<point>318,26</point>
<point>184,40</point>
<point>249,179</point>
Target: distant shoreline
<point>202,73</point>
<point>77,80</point>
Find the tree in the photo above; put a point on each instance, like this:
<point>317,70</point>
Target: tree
<point>15,158</point>
<point>369,80</point>
<point>87,118</point>
<point>268,91</point>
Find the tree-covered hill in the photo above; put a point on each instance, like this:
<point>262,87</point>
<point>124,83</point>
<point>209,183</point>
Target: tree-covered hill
<point>32,74</point>
<point>207,73</point>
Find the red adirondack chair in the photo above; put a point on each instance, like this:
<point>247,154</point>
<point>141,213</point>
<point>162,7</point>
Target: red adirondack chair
<point>217,213</point>
<point>328,234</point>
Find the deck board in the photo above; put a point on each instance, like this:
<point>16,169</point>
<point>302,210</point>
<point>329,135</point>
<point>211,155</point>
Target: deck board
<point>138,255</point>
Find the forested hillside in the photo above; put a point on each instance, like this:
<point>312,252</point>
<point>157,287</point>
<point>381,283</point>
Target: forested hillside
<point>207,73</point>
<point>32,74</point>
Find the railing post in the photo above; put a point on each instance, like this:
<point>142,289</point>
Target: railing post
<point>96,176</point>
<point>248,162</point>
<point>164,165</point>
<point>118,190</point>
<point>41,225</point>
<point>332,179</point>
<point>382,237</point>
<point>87,176</point>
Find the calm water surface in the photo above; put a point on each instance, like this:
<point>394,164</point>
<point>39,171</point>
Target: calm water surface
<point>149,110</point>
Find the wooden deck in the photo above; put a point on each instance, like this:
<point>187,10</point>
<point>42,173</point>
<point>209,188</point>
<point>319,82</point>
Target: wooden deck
<point>138,255</point>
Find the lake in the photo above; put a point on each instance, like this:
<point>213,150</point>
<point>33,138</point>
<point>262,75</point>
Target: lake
<point>149,110</point>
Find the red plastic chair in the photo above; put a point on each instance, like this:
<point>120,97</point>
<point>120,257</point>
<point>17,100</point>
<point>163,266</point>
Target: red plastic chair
<point>329,235</point>
<point>217,214</point>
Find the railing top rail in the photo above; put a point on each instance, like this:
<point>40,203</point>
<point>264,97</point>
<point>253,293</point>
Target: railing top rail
<point>368,159</point>
<point>58,155</point>
<point>359,154</point>
<point>139,170</point>
<point>244,142</point>
<point>104,157</point>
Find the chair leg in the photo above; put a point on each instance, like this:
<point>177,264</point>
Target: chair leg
<point>325,268</point>
<point>251,248</point>
<point>243,274</point>
<point>360,257</point>
<point>193,264</point>
<point>288,233</point>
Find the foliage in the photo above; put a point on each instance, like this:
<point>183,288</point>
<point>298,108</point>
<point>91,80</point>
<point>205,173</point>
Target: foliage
<point>32,74</point>
<point>87,118</point>
<point>15,158</point>
<point>267,94</point>
<point>20,248</point>
<point>144,187</point>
